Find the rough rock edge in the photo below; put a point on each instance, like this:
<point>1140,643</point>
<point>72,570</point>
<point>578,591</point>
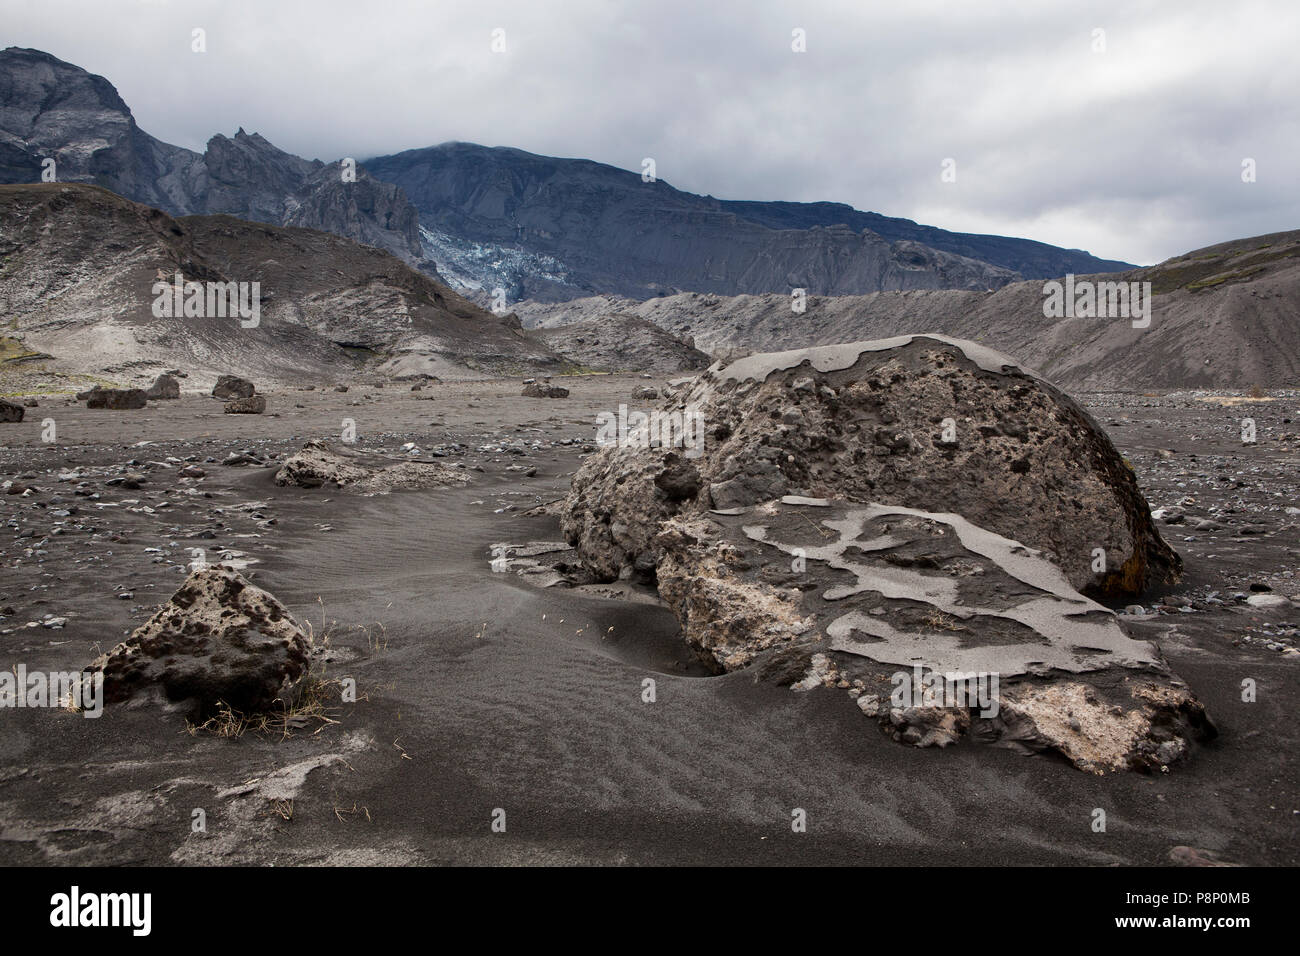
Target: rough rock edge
<point>210,599</point>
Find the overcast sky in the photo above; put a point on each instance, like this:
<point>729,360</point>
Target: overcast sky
<point>1133,153</point>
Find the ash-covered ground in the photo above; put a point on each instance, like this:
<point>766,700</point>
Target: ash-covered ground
<point>481,698</point>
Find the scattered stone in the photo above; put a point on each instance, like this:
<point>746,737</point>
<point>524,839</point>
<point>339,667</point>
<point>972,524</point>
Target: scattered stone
<point>645,393</point>
<point>164,388</point>
<point>116,399</point>
<point>232,386</point>
<point>217,640</point>
<point>543,390</point>
<point>251,405</point>
<point>320,463</point>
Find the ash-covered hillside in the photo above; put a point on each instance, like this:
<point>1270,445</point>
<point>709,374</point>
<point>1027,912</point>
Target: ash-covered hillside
<point>1223,317</point>
<point>78,273</point>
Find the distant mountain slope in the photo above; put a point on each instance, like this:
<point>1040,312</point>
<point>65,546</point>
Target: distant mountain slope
<point>78,265</point>
<point>1224,316</point>
<point>1033,260</point>
<point>602,229</point>
<point>554,229</point>
<point>50,109</point>
<point>615,343</point>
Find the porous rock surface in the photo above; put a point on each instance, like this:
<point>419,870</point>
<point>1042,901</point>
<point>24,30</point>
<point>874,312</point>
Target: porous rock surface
<point>252,405</point>
<point>232,386</point>
<point>322,463</point>
<point>827,535</point>
<point>217,640</point>
<point>544,390</point>
<point>867,422</point>
<point>861,597</point>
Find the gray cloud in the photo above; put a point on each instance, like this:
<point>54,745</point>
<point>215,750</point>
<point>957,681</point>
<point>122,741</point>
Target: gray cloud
<point>1134,153</point>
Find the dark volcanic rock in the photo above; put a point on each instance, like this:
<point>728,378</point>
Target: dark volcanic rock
<point>164,387</point>
<point>116,398</point>
<point>890,517</point>
<point>10,411</point>
<point>252,405</point>
<point>543,390</point>
<point>870,422</point>
<point>218,640</point>
<point>894,605</point>
<point>321,463</point>
<point>232,386</point>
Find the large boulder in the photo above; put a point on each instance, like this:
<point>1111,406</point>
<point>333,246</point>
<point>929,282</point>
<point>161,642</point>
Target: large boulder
<point>218,640</point>
<point>232,386</point>
<point>935,626</point>
<point>922,421</point>
<point>544,390</point>
<point>252,405</point>
<point>116,399</point>
<point>890,517</point>
<point>11,411</point>
<point>165,387</point>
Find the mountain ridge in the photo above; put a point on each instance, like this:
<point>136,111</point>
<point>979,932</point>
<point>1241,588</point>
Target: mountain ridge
<point>51,109</point>
<point>498,217</point>
<point>503,197</point>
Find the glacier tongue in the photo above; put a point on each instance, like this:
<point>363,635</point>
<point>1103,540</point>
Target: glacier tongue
<point>476,269</point>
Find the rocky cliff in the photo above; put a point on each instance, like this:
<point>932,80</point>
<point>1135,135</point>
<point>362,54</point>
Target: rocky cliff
<point>50,109</point>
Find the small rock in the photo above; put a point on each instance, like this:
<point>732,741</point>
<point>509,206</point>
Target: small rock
<point>250,405</point>
<point>232,386</point>
<point>164,388</point>
<point>11,411</point>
